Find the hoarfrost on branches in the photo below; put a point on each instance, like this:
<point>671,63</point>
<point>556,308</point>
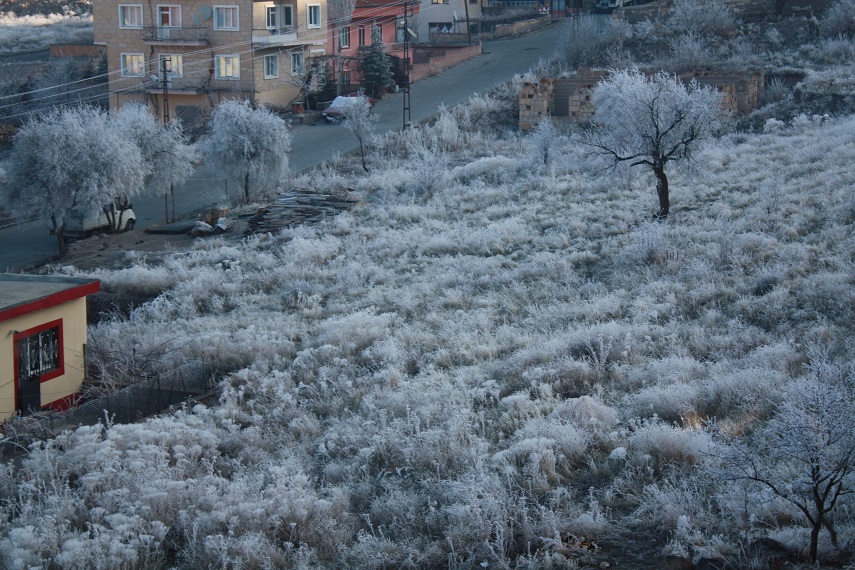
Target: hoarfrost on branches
<point>250,143</point>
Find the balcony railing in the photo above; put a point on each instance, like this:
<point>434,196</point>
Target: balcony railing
<point>192,36</point>
<point>276,37</point>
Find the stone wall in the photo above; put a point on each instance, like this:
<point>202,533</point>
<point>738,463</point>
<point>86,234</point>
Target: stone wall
<point>571,96</point>
<point>491,31</point>
<point>535,99</point>
<point>78,50</point>
<point>432,60</point>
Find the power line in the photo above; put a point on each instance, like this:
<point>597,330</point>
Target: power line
<point>322,34</point>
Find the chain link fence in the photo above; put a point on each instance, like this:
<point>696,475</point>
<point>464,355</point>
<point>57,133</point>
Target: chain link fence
<point>140,400</point>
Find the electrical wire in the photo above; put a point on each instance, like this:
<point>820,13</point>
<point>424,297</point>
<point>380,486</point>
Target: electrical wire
<point>324,34</point>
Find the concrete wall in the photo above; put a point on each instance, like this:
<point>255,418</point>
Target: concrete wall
<point>73,316</point>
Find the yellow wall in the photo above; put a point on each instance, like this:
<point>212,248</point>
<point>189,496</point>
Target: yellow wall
<point>73,315</point>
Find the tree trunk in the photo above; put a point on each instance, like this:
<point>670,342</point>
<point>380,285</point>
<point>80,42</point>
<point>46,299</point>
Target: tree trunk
<point>814,540</point>
<point>662,191</point>
<point>362,152</point>
<point>246,188</point>
<point>59,232</point>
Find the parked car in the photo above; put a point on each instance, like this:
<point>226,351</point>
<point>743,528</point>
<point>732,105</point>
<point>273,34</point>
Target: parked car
<point>121,217</point>
<point>335,112</point>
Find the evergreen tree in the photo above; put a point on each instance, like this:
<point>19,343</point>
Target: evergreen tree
<point>376,69</point>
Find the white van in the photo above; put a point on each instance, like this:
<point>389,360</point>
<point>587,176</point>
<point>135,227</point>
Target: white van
<point>81,225</point>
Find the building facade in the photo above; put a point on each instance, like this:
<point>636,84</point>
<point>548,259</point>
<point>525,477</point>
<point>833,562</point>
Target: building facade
<point>256,50</point>
<point>381,19</point>
<point>42,341</point>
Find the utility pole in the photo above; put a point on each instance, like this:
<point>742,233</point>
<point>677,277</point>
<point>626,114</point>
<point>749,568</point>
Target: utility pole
<point>468,29</point>
<point>163,69</point>
<point>406,60</point>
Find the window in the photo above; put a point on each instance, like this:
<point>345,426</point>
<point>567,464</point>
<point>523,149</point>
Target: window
<point>38,353</point>
<point>377,33</point>
<point>174,66</point>
<point>169,16</point>
<point>226,18</point>
<point>344,37</point>
<point>133,65</point>
<point>272,17</point>
<point>227,66</point>
<point>130,16</point>
<point>313,15</point>
<point>361,34</point>
<point>271,66</point>
<point>297,67</point>
<point>439,1</point>
<point>287,16</point>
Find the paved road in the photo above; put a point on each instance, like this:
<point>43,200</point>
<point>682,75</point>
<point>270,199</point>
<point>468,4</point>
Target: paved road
<point>29,245</point>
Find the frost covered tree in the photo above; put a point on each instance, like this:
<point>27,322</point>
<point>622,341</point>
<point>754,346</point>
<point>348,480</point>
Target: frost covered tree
<point>167,158</point>
<point>251,144</point>
<point>806,453</point>
<point>376,68</point>
<point>71,159</point>
<point>359,121</point>
<point>651,120</point>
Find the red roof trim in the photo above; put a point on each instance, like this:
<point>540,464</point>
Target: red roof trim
<point>52,300</point>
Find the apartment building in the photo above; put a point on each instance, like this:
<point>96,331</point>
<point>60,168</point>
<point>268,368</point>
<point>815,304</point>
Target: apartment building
<point>257,50</point>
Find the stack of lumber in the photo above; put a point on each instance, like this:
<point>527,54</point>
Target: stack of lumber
<point>296,207</point>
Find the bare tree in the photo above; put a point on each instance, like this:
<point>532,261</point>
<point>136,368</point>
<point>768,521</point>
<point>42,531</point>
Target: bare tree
<point>250,143</point>
<point>357,118</point>
<point>68,159</point>
<point>653,120</point>
<point>806,453</point>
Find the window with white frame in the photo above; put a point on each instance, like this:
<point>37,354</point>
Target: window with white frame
<point>272,20</point>
<point>297,63</point>
<point>287,13</point>
<point>271,66</point>
<point>361,35</point>
<point>174,65</point>
<point>39,352</point>
<point>313,16</point>
<point>227,66</point>
<point>344,37</point>
<point>377,33</point>
<point>169,16</point>
<point>130,16</point>
<point>133,65</point>
<point>226,18</point>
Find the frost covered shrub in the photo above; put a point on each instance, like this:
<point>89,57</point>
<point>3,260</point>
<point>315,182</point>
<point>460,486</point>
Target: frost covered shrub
<point>666,443</point>
<point>20,33</point>
<point>587,41</point>
<point>707,17</point>
<point>838,20</point>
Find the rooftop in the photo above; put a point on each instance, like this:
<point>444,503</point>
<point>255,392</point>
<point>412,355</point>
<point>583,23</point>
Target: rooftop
<point>21,294</point>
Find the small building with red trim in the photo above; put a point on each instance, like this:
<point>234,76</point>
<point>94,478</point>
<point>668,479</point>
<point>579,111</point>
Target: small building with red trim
<point>42,341</point>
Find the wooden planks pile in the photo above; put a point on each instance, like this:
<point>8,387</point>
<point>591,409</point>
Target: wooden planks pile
<point>296,207</point>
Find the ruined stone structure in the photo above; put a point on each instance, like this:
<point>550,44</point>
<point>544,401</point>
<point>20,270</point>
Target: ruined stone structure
<point>571,96</point>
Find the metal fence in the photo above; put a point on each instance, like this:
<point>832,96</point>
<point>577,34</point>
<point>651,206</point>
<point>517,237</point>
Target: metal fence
<point>142,399</point>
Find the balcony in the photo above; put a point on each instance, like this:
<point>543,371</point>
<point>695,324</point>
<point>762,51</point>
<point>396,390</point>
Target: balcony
<point>280,37</point>
<point>176,36</point>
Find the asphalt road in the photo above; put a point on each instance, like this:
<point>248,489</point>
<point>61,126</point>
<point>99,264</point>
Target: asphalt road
<point>28,245</point>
